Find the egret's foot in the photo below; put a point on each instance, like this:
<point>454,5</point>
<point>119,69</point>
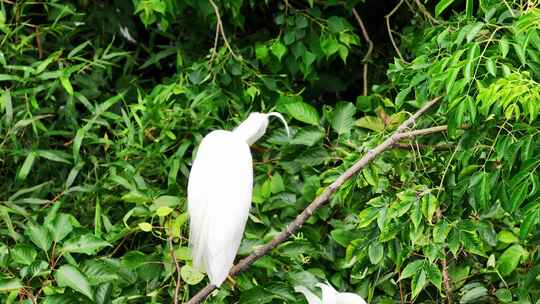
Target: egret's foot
<point>231,281</point>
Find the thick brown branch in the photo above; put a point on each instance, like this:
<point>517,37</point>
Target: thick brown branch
<point>294,226</point>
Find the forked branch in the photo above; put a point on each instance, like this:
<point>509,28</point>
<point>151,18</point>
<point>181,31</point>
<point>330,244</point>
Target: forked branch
<point>320,200</point>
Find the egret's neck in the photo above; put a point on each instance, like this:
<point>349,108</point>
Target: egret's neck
<point>253,128</point>
<point>248,132</point>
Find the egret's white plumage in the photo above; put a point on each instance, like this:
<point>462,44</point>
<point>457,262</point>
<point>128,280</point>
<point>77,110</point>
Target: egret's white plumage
<point>219,195</point>
<point>329,295</point>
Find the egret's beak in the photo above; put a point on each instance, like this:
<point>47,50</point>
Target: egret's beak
<point>278,115</point>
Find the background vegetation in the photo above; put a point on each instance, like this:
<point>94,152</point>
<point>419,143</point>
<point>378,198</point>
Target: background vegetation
<point>103,103</point>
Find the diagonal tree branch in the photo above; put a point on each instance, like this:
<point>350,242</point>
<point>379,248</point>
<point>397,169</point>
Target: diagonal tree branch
<point>319,200</point>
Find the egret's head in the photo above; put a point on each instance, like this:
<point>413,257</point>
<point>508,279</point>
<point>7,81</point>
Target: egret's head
<point>255,126</point>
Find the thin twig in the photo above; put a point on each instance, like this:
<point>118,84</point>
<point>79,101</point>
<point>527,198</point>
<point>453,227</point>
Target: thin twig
<point>412,146</point>
<point>318,201</point>
<point>389,29</point>
<point>214,49</point>
<point>426,131</point>
<point>447,282</point>
<point>424,11</point>
<point>178,277</point>
<point>370,49</point>
<point>221,30</point>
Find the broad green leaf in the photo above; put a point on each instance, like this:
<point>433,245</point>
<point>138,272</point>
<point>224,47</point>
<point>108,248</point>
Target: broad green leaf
<point>69,276</point>
<point>146,227</point>
<point>303,112</point>
<point>278,49</point>
<point>507,237</point>
<point>7,285</point>
<point>474,31</point>
<point>163,211</point>
<point>411,269</point>
<point>39,235</point>
<point>376,253</point>
<point>277,184</point>
<point>418,282</point>
<point>509,260</point>
<point>86,243</point>
<point>474,295</point>
<point>23,254</point>
<point>60,227</point>
<point>343,117</point>
<point>371,122</point>
<point>504,295</point>
<point>308,136</point>
<point>190,275</point>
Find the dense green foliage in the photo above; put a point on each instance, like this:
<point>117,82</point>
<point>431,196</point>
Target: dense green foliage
<point>104,102</point>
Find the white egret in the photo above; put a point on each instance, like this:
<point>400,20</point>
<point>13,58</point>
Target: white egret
<point>219,195</point>
<point>329,295</point>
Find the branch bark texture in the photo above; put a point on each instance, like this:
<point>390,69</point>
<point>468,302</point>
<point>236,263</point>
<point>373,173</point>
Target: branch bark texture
<point>294,226</point>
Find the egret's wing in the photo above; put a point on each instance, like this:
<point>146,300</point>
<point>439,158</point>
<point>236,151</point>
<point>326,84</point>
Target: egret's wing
<point>310,296</point>
<point>349,298</point>
<point>219,197</point>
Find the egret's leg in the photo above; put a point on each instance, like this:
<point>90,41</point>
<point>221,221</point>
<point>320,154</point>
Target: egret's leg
<point>231,281</point>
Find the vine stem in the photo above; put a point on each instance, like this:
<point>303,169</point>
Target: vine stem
<point>320,200</point>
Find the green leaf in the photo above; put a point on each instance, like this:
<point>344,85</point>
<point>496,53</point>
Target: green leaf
<point>261,51</point>
<point>39,236</point>
<point>442,6</point>
<point>509,260</point>
<point>278,49</point>
<point>60,227</point>
<point>376,253</point>
<point>469,6</point>
<point>491,67</point>
<point>411,269</point>
<point>307,136</point>
<point>302,111</point>
<point>504,295</point>
<point>507,237</point>
<point>26,166</point>
<point>166,201</point>
<point>418,282</point>
<point>474,31</point>
<point>7,285</point>
<point>277,184</point>
<point>86,243</point>
<point>504,46</point>
<point>518,196</point>
<point>66,84</point>
<point>343,117</point>
<point>434,275</point>
<point>190,275</point>
<point>57,156</point>
<point>23,254</point>
<point>69,276</point>
<point>371,122</point>
<point>474,295</point>
<point>6,103</point>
